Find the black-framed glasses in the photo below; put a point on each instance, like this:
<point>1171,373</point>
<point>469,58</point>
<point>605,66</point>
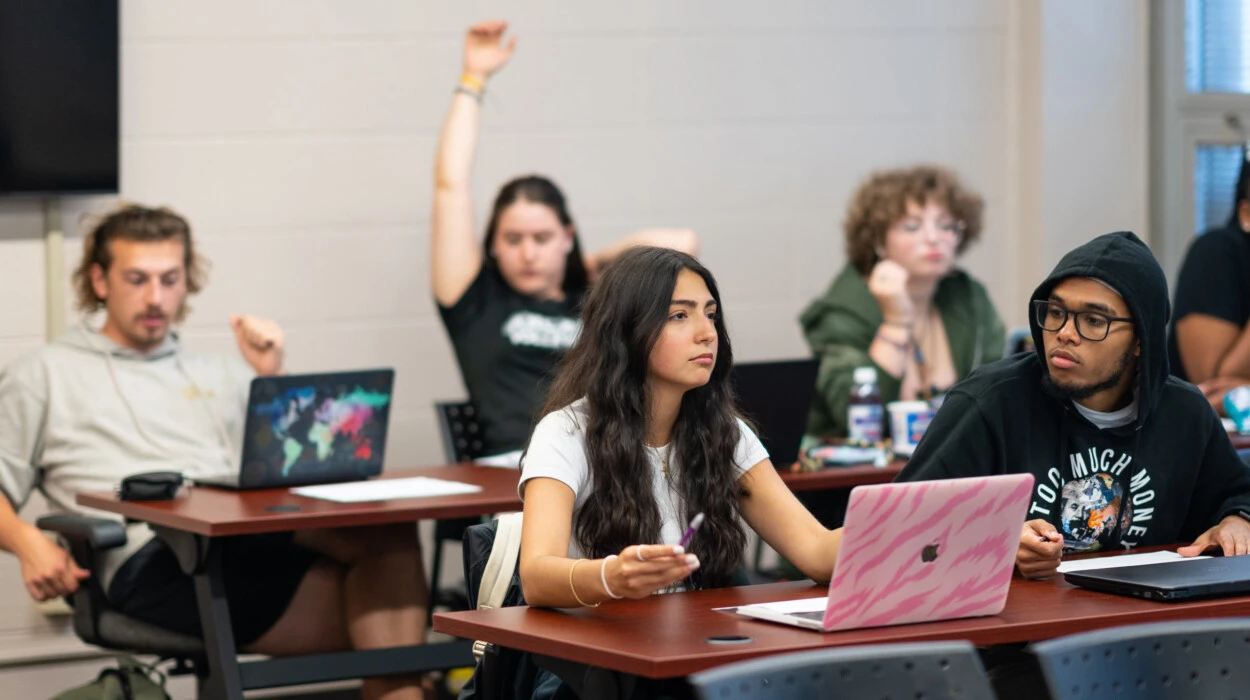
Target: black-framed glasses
<point>1090,325</point>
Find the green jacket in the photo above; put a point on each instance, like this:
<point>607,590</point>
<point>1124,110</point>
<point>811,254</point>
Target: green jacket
<point>840,326</point>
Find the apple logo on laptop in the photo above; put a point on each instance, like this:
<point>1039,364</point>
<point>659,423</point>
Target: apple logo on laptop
<point>929,553</point>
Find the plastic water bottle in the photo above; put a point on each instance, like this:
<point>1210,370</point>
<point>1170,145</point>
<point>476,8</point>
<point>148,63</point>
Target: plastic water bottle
<point>864,415</point>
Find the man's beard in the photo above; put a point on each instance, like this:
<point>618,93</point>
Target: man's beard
<point>1079,392</point>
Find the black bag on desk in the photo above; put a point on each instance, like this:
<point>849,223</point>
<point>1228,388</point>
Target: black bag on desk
<point>500,673</point>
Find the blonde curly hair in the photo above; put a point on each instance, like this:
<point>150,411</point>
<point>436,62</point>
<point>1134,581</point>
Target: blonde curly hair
<point>882,199</point>
<point>134,222</point>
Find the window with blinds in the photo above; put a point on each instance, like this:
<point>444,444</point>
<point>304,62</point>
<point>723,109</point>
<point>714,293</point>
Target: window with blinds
<point>1217,46</point>
<point>1216,168</point>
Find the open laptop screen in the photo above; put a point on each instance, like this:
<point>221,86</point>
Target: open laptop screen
<point>316,427</point>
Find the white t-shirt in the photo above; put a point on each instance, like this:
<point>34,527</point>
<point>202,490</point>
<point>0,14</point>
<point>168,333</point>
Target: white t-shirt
<point>558,451</point>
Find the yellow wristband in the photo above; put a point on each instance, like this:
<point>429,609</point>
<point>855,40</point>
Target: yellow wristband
<point>576,597</point>
<point>472,82</point>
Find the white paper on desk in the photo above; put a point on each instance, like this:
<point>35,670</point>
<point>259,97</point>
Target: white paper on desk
<point>1122,560</point>
<point>507,460</point>
<point>385,489</point>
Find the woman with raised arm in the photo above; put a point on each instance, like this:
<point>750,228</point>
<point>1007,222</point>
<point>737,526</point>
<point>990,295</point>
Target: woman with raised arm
<point>510,304</point>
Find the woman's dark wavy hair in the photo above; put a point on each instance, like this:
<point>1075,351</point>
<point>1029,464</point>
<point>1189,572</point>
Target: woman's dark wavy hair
<point>539,190</point>
<point>622,319</point>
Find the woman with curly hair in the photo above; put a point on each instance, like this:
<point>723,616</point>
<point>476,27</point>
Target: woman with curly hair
<point>900,304</point>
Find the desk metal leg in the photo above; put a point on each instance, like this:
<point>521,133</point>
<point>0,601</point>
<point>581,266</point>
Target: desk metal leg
<point>223,681</point>
<point>200,558</point>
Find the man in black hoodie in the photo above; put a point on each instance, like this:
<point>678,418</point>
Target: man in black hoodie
<point>1123,455</point>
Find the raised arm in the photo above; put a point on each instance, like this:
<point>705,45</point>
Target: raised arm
<point>455,258</point>
<point>682,239</point>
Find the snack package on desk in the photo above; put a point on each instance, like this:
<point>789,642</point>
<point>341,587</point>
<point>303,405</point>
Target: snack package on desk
<point>846,455</point>
<point>1237,405</point>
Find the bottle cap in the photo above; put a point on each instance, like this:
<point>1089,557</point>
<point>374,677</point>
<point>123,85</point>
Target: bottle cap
<point>865,375</point>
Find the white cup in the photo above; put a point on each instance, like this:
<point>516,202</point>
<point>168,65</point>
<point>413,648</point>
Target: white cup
<point>908,421</point>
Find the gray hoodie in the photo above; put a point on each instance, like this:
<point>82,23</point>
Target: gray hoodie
<point>82,413</point>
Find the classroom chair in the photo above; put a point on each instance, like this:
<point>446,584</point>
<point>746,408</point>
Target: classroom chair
<point>95,619</point>
<point>462,442</point>
<point>1181,659</point>
<point>924,670</point>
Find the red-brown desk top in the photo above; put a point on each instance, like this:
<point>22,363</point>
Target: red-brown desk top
<point>215,512</point>
<point>663,636</point>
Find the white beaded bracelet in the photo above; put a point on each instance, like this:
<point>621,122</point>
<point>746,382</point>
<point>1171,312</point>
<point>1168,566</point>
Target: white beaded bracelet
<point>603,577</point>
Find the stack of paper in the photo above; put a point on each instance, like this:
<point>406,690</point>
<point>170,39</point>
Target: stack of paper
<point>386,489</point>
<point>1122,560</point>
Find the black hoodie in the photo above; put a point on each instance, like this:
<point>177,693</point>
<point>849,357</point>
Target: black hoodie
<point>1165,479</point>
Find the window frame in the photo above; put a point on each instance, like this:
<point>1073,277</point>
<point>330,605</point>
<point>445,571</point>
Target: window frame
<point>1182,121</point>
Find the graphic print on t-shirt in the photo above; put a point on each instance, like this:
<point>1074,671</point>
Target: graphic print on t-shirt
<point>536,330</point>
<point>1098,507</point>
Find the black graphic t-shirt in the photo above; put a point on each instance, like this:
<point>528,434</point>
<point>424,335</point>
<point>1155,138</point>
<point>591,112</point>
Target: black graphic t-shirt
<point>507,345</point>
<point>1164,478</point>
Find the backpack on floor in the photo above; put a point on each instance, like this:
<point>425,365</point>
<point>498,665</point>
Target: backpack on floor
<point>131,680</point>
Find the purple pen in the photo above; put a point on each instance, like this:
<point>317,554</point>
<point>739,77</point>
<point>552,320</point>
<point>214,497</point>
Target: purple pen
<point>695,522</point>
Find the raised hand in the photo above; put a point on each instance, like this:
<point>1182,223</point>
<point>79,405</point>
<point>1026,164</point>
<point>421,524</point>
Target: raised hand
<point>484,50</point>
<point>261,343</point>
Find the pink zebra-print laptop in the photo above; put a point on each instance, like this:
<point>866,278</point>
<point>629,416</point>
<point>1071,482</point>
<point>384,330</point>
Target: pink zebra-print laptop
<point>918,552</point>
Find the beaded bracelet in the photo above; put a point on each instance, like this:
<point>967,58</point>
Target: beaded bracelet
<point>902,347</point>
<point>466,91</point>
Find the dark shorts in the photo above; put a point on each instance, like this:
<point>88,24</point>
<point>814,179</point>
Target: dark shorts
<point>261,573</point>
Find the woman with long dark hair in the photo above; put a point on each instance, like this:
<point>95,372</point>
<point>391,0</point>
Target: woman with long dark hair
<point>510,304</point>
<point>639,435</point>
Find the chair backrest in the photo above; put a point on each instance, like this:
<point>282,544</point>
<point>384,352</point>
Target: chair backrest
<point>931,670</point>
<point>1182,659</point>
<point>461,433</point>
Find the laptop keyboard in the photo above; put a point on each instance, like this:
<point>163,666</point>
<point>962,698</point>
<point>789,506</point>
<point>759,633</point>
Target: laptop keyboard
<point>817,615</point>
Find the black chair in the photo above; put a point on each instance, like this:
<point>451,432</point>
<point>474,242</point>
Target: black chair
<point>95,619</point>
<point>1182,659</point>
<point>462,442</point>
<point>924,670</point>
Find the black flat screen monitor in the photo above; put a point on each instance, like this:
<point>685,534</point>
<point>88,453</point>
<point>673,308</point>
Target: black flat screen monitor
<point>58,97</point>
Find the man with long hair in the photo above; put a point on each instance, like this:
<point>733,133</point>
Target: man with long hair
<point>101,404</point>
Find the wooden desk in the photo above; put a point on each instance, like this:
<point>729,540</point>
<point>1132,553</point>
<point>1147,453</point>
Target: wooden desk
<point>841,477</point>
<point>216,512</point>
<point>1240,441</point>
<point>191,523</point>
<point>664,636</point>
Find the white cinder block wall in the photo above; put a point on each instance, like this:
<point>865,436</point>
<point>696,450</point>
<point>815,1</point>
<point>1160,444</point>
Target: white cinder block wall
<point>299,137</point>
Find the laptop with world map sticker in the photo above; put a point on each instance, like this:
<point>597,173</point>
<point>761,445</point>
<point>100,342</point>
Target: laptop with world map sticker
<point>313,429</point>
